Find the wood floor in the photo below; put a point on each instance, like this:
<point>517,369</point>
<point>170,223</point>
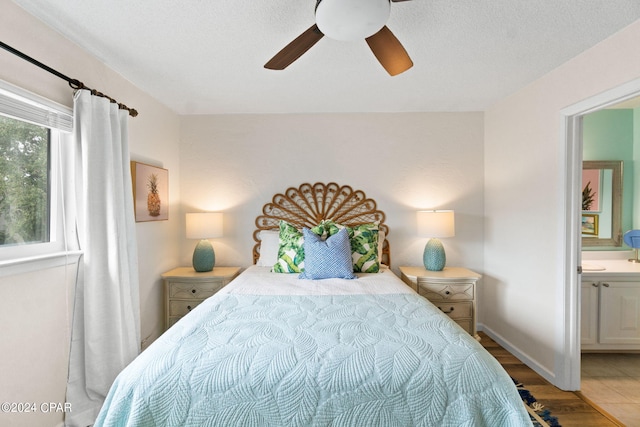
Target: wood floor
<point>570,408</point>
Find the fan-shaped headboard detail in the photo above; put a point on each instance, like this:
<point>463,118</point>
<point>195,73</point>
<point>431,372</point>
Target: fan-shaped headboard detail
<point>309,204</point>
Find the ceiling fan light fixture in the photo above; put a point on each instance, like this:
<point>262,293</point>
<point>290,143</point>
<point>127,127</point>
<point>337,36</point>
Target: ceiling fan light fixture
<point>351,20</point>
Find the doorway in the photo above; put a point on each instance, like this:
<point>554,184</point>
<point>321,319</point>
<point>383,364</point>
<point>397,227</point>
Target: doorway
<point>573,120</point>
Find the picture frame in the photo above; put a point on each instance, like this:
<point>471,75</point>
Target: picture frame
<point>150,192</point>
<point>590,224</point>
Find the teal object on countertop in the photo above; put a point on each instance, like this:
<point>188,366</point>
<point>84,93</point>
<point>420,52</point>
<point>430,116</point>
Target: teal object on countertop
<point>203,256</point>
<point>434,258</point>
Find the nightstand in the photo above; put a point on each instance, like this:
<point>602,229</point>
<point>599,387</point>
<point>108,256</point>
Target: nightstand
<point>452,290</point>
<point>185,288</point>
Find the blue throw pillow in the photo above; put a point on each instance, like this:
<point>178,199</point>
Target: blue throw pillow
<point>327,259</point>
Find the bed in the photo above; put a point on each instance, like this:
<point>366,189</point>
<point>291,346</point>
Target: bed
<point>281,349</point>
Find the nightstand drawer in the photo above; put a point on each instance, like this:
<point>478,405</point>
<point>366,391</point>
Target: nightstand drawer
<point>180,308</point>
<point>185,290</point>
<point>456,310</point>
<point>446,291</point>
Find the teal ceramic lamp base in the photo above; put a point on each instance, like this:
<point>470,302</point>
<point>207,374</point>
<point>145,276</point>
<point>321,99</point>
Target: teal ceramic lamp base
<point>203,256</point>
<point>434,257</point>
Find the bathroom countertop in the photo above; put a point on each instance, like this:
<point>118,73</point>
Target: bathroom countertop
<point>609,267</point>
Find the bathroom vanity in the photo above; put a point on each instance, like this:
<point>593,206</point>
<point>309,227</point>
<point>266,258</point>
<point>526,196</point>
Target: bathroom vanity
<point>610,311</point>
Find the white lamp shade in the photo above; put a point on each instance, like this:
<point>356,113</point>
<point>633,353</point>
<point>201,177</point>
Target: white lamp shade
<point>204,225</point>
<point>436,223</point>
<point>351,19</point>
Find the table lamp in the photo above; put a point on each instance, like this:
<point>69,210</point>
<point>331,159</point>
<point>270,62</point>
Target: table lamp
<point>204,225</point>
<point>435,224</point>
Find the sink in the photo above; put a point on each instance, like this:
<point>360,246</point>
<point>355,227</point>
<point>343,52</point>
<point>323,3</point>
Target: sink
<point>592,267</point>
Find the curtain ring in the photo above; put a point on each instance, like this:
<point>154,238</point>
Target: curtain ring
<point>76,84</point>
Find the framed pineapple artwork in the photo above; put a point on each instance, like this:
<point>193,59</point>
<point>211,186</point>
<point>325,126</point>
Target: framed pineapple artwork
<point>150,192</point>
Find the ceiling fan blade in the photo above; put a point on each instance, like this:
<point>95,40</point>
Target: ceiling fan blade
<point>389,51</point>
<point>295,49</point>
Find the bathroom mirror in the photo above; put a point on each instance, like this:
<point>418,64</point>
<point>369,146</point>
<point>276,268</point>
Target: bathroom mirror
<point>602,203</point>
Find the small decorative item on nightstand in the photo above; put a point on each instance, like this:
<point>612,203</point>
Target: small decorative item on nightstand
<point>435,224</point>
<point>185,288</point>
<point>204,226</point>
<point>452,290</point>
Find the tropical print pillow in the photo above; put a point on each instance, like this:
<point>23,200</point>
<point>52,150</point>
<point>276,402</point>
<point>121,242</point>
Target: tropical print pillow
<point>322,229</point>
<point>290,251</point>
<point>364,243</point>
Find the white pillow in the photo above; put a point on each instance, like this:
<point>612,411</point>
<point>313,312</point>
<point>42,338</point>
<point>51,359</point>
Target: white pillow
<point>381,237</point>
<point>269,245</point>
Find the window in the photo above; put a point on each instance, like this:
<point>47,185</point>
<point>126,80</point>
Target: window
<point>30,192</point>
<point>24,182</point>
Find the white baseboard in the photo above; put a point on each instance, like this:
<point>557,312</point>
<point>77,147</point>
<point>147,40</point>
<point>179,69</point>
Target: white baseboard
<point>520,355</point>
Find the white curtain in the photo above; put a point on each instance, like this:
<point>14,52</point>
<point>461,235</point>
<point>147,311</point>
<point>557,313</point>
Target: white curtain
<point>105,334</point>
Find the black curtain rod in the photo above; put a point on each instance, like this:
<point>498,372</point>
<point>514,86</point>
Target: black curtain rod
<point>74,83</point>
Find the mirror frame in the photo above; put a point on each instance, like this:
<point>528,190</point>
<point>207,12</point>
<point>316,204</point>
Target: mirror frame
<point>616,208</point>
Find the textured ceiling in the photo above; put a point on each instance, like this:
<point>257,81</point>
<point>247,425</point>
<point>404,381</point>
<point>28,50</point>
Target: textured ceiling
<point>207,56</point>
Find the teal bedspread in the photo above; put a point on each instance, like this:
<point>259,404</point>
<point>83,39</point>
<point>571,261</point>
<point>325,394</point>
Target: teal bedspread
<point>339,360</point>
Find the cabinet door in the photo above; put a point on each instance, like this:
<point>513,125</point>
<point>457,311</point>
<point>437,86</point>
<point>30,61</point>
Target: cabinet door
<point>589,312</point>
<point>619,312</point>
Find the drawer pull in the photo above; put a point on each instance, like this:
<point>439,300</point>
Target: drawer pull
<point>606,285</point>
<point>595,285</point>
<point>446,312</point>
<point>189,307</point>
<point>193,291</point>
<point>447,292</point>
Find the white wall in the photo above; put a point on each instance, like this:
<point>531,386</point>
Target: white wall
<point>524,196</point>
<point>34,344</point>
<point>236,163</point>
<point>35,307</point>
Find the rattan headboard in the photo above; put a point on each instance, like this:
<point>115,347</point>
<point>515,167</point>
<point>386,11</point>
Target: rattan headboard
<point>309,204</point>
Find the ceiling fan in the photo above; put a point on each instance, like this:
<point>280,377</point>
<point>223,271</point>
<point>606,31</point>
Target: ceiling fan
<point>350,20</point>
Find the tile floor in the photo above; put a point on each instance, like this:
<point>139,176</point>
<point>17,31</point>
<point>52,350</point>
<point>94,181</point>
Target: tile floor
<point>612,381</point>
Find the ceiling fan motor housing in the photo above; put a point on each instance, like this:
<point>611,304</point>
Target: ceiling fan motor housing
<point>351,19</point>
